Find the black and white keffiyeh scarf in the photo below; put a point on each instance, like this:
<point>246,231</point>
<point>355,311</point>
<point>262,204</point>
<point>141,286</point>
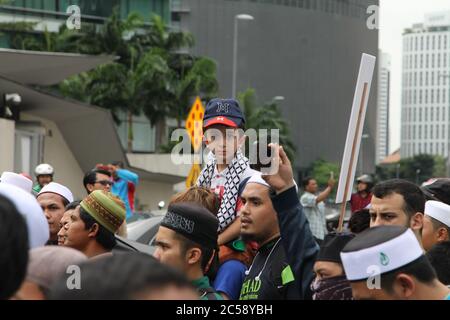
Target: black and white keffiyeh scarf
<point>233,175</point>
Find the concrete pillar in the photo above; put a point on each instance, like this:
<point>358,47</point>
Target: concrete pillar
<point>7,128</point>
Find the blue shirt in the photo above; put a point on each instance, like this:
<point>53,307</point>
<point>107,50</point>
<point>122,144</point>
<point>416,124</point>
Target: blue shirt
<point>229,279</point>
<point>124,187</point>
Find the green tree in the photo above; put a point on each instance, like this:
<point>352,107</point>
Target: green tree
<point>266,116</point>
<point>321,171</point>
<point>440,167</point>
<point>153,75</point>
<point>416,169</point>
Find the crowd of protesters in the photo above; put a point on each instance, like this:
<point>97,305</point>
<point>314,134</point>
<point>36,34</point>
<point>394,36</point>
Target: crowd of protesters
<point>239,234</point>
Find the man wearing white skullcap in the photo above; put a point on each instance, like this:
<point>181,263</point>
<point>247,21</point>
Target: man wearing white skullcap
<point>436,224</point>
<point>27,205</point>
<point>17,180</point>
<point>388,263</point>
<point>53,198</point>
<point>272,216</point>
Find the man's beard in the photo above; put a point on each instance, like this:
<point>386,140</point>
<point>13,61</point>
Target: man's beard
<point>246,237</point>
<point>258,238</point>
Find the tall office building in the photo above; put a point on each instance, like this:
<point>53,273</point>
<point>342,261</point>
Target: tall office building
<point>426,86</point>
<point>306,51</point>
<point>384,81</point>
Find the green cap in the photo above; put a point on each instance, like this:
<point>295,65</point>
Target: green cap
<point>107,209</point>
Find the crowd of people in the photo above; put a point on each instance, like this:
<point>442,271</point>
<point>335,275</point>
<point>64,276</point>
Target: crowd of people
<point>237,235</point>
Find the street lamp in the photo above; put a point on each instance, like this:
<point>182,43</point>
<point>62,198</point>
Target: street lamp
<point>417,176</point>
<point>278,98</point>
<point>238,17</point>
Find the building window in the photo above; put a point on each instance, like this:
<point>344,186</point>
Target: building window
<point>425,132</point>
<point>432,95</point>
<point>439,60</point>
<point>427,58</point>
<point>28,148</point>
<point>144,134</point>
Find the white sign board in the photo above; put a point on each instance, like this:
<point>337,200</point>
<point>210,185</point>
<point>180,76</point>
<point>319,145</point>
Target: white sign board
<point>355,128</point>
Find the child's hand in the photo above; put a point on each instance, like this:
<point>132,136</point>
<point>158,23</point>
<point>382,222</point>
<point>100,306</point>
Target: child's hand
<point>283,179</point>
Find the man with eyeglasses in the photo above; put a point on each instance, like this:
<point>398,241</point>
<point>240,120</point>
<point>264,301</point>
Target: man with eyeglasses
<point>97,179</point>
<point>101,179</point>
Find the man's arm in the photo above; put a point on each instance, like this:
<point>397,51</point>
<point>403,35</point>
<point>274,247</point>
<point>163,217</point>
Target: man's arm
<point>232,232</point>
<point>297,239</point>
<point>127,175</point>
<point>325,193</point>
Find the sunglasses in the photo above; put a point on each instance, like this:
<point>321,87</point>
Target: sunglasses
<point>105,182</point>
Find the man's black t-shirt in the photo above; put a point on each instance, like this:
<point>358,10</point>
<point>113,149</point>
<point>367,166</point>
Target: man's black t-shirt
<point>270,276</point>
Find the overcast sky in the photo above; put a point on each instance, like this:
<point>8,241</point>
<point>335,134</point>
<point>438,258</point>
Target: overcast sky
<point>395,16</point>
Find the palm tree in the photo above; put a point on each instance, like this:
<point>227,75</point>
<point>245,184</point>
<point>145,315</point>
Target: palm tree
<point>266,116</point>
<point>188,76</point>
<point>154,75</point>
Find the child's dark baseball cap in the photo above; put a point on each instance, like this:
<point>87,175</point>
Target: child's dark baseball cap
<point>223,111</point>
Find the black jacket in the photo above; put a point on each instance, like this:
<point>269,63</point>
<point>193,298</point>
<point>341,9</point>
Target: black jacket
<point>299,245</point>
